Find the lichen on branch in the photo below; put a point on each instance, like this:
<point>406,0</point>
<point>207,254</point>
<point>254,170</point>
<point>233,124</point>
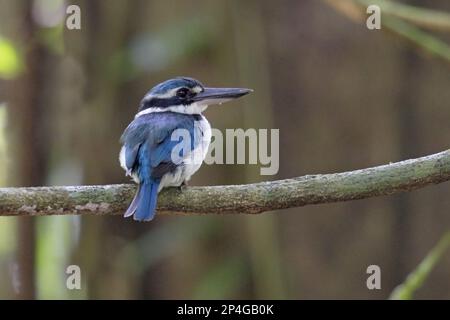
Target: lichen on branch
<point>250,198</point>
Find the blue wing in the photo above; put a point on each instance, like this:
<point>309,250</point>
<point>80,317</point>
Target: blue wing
<point>149,144</point>
<point>154,131</point>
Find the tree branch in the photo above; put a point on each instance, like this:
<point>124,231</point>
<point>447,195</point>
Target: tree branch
<point>252,198</point>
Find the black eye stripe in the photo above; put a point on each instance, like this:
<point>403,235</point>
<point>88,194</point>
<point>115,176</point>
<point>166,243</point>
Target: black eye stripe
<point>185,98</point>
<point>163,103</point>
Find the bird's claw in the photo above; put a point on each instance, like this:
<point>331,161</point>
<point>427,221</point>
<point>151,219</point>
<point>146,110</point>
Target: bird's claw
<point>182,186</point>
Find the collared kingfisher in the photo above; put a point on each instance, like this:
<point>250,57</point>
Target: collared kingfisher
<point>151,152</point>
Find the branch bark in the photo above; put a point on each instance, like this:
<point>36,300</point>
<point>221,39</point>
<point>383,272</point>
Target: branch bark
<point>252,198</point>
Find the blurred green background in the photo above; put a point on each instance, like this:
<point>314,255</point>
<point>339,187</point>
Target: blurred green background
<point>343,97</point>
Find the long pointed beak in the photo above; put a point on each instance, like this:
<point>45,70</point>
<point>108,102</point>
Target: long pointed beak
<point>211,96</point>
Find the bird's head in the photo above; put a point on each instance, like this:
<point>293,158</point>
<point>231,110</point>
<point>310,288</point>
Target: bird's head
<point>186,95</point>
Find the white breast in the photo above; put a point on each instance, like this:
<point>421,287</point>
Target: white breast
<point>193,161</point>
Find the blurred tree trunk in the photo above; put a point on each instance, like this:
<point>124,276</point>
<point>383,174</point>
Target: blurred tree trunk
<point>101,49</point>
<point>28,118</point>
<point>262,231</point>
<point>408,147</point>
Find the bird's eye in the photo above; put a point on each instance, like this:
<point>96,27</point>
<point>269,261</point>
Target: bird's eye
<point>182,93</point>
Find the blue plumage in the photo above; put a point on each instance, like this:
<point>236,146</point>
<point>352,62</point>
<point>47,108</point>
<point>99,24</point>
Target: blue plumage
<point>148,147</point>
<point>147,201</point>
<point>152,155</point>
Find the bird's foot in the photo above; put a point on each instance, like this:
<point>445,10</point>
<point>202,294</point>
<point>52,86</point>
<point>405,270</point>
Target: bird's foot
<point>183,186</point>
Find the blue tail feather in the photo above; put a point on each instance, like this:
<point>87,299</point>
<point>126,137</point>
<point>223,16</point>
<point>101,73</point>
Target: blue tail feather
<point>146,200</point>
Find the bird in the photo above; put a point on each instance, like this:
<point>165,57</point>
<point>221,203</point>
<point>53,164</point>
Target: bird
<point>168,139</point>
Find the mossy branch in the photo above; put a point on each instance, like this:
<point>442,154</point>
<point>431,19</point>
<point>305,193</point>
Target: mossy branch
<point>251,198</point>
